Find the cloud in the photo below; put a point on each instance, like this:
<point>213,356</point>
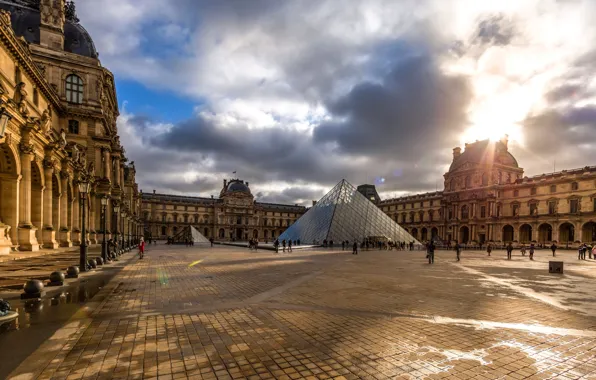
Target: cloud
<point>295,98</point>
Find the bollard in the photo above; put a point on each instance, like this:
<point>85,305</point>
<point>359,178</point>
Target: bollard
<point>91,263</point>
<point>33,289</point>
<point>99,261</point>
<point>72,272</point>
<point>56,279</point>
<point>555,267</point>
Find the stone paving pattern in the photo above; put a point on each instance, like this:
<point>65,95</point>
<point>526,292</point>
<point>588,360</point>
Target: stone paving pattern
<point>228,313</point>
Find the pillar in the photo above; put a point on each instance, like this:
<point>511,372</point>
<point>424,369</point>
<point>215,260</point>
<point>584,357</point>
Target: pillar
<point>48,233</point>
<point>27,238</point>
<point>116,174</point>
<point>107,164</point>
<point>93,211</point>
<point>64,230</point>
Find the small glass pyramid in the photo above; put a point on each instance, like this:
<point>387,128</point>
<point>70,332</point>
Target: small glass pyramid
<point>345,214</point>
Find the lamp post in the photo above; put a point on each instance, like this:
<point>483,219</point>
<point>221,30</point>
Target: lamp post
<point>129,230</point>
<point>122,215</point>
<point>83,191</point>
<point>104,248</point>
<point>116,210</point>
<point>4,119</point>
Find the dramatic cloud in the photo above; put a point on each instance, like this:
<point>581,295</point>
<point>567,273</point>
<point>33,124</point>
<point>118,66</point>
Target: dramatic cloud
<point>295,98</point>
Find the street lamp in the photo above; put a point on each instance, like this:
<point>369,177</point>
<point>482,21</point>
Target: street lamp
<point>122,215</point>
<point>129,230</point>
<point>116,210</point>
<point>84,186</point>
<point>4,118</point>
<point>104,248</point>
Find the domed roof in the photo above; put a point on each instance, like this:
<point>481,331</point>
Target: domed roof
<point>238,186</point>
<point>485,152</point>
<point>26,19</point>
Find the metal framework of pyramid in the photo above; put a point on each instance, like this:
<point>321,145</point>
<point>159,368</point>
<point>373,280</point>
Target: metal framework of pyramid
<point>345,214</point>
<point>187,233</point>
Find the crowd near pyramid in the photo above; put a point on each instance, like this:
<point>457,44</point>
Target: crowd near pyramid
<point>344,214</point>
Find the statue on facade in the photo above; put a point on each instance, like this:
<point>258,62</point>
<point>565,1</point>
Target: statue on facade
<point>76,154</point>
<point>63,141</point>
<point>91,169</point>
<point>46,121</point>
<point>83,159</point>
<point>20,96</point>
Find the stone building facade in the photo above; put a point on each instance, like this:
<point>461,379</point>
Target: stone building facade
<point>487,198</point>
<point>62,109</point>
<point>234,215</point>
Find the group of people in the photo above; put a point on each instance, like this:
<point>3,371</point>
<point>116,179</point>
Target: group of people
<point>583,249</point>
<point>253,244</point>
<point>284,243</point>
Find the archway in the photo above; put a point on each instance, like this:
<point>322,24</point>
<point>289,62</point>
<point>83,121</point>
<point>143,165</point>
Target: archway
<point>10,169</point>
<point>266,234</point>
<point>424,234</point>
<point>206,232</point>
<point>222,233</point>
<point>464,235</point>
<point>525,233</point>
<point>414,233</point>
<point>255,234</point>
<point>545,233</point>
<point>589,232</point>
<point>508,233</point>
<point>434,233</point>
<point>566,233</point>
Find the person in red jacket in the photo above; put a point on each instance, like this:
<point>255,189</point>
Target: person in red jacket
<point>141,248</point>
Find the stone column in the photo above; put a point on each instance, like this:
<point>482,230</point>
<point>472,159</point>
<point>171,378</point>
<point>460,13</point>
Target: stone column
<point>107,164</point>
<point>48,233</point>
<point>64,230</point>
<point>27,238</point>
<point>9,192</point>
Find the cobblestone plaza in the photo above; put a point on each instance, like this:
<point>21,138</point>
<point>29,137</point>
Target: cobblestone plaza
<point>230,313</point>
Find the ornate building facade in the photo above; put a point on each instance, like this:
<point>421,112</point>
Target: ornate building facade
<point>487,198</point>
<point>59,107</point>
<point>234,215</point>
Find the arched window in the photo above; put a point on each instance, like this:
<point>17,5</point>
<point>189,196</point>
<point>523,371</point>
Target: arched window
<point>74,89</point>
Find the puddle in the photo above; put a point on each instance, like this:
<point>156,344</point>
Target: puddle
<point>58,307</point>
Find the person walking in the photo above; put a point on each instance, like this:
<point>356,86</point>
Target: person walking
<point>589,249</point>
<point>532,251</point>
<point>509,250</point>
<point>283,244</point>
<point>355,248</point>
<point>489,249</point>
<point>523,250</point>
<point>431,253</point>
<point>554,249</point>
<point>343,245</point>
<point>276,245</point>
<point>457,250</point>
<point>290,246</point>
<point>141,248</point>
<point>594,252</point>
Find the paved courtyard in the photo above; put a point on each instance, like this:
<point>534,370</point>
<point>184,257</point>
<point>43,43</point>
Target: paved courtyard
<point>228,313</point>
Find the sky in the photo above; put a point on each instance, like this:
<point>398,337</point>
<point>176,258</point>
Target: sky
<point>296,95</point>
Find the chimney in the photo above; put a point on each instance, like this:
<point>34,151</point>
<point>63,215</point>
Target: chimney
<point>456,152</point>
<point>246,183</point>
<point>51,28</point>
<point>225,183</point>
<point>505,141</point>
<point>153,191</point>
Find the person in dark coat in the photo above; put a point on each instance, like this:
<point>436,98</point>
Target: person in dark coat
<point>554,249</point>
<point>431,253</point>
<point>355,249</point>
<point>509,250</point>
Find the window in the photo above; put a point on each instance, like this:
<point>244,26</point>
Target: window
<point>533,208</point>
<point>421,216</point>
<point>35,97</point>
<point>73,127</point>
<point>450,214</point>
<point>431,215</point>
<point>163,218</point>
<point>483,211</point>
<point>574,186</point>
<point>403,216</point>
<point>185,218</point>
<point>516,193</point>
<point>553,188</point>
<point>515,210</point>
<point>411,217</point>
<point>574,206</point>
<point>464,212</point>
<point>74,89</point>
<point>432,202</point>
<point>421,204</point>
<point>163,230</point>
<point>533,191</point>
<point>552,207</point>
<point>498,211</point>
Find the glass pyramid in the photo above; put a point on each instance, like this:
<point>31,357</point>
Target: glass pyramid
<point>345,214</point>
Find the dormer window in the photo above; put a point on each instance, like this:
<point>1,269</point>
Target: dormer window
<point>74,89</point>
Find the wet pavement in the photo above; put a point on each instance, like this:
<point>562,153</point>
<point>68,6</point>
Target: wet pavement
<point>229,313</point>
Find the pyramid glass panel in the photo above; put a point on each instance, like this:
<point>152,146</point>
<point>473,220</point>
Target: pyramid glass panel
<point>345,214</point>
